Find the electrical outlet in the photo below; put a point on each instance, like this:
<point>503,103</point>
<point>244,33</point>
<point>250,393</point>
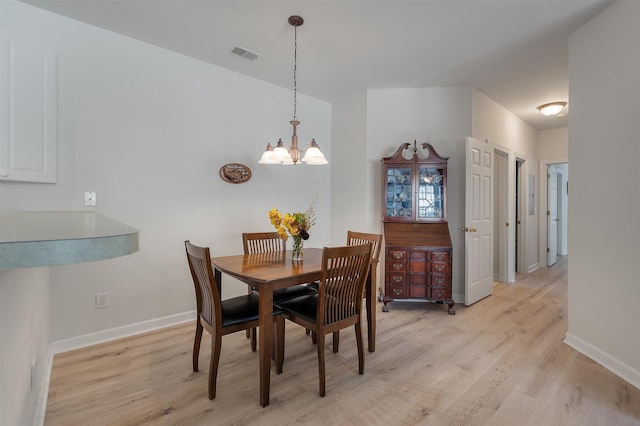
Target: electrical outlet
<point>102,300</point>
<point>90,199</point>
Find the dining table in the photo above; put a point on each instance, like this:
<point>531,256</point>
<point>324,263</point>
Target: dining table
<point>272,271</point>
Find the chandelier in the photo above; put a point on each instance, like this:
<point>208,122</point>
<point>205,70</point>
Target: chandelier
<point>280,154</point>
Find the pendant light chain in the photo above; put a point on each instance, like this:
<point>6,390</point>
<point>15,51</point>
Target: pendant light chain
<point>295,70</point>
<point>280,154</point>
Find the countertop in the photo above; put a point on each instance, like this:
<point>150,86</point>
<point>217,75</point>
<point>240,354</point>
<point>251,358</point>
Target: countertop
<point>31,239</point>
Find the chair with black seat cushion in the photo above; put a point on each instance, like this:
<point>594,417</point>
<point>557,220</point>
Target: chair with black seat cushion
<point>222,317</point>
<point>356,238</point>
<point>268,242</point>
<point>338,302</point>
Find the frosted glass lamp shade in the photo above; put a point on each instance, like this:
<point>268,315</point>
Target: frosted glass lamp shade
<point>552,109</point>
<point>314,156</point>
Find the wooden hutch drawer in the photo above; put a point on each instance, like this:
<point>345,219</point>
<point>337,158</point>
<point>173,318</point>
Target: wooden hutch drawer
<point>396,291</point>
<point>418,256</point>
<point>440,280</point>
<point>397,255</point>
<point>442,256</point>
<point>441,293</point>
<point>418,267</point>
<point>418,279</point>
<point>418,291</point>
<point>441,267</point>
<point>394,278</point>
<point>396,266</point>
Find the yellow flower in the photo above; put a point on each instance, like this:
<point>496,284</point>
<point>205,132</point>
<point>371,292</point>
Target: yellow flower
<point>294,224</point>
<point>275,217</point>
<point>283,234</point>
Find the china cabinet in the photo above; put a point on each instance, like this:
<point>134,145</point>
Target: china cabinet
<point>418,253</point>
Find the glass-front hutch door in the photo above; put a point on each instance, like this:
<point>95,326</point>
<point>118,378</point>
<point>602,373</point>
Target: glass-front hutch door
<point>430,194</point>
<point>399,192</point>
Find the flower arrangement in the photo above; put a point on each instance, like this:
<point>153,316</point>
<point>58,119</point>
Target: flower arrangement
<point>295,224</point>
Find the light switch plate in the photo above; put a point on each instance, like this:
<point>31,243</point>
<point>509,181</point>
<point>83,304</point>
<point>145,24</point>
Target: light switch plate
<point>90,199</point>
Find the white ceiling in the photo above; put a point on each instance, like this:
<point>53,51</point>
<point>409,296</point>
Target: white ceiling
<point>515,51</point>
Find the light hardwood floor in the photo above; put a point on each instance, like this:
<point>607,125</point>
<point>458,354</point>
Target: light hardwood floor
<point>501,361</point>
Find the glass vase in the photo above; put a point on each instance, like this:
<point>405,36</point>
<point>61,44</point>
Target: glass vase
<point>297,249</point>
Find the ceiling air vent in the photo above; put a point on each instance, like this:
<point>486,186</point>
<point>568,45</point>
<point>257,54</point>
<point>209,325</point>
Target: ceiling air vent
<point>244,53</point>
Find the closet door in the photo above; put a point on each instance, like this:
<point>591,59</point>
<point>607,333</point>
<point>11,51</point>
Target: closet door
<point>478,227</point>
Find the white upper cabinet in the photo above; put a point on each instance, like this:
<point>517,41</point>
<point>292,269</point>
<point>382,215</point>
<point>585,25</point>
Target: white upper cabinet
<point>28,109</point>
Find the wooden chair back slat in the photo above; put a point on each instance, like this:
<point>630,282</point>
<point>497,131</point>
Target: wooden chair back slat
<point>344,274</point>
<point>207,294</point>
<point>262,242</point>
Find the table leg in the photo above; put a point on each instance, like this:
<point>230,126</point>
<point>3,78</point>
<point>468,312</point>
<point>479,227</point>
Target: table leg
<point>265,330</point>
<point>371,308</point>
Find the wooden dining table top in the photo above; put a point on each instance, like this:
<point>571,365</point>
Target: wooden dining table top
<point>277,268</point>
<point>272,271</point>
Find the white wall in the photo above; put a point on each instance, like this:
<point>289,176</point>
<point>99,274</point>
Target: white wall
<point>553,145</point>
<point>440,116</point>
<point>148,130</point>
<point>518,140</point>
<point>351,193</point>
<point>24,338</point>
<point>553,149</point>
<point>604,241</point>
<point>445,117</point>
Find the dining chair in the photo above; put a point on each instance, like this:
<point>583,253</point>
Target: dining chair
<point>268,242</point>
<point>355,238</point>
<point>338,302</point>
<point>222,317</point>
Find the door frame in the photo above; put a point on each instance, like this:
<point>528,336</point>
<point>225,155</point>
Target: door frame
<point>542,204</point>
<point>552,198</point>
<point>501,215</point>
<point>506,204</point>
<point>523,216</point>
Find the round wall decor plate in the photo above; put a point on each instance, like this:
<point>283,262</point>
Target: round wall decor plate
<point>235,173</point>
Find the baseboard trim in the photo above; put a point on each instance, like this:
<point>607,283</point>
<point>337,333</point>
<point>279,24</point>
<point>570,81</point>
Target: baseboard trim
<point>533,267</point>
<point>108,335</point>
<point>617,367</point>
<point>64,345</point>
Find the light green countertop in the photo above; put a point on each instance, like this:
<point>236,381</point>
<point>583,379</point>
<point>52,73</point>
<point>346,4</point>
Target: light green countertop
<point>32,239</point>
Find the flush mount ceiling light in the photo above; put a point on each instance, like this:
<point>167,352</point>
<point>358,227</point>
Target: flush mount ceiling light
<point>552,109</point>
<point>280,154</point>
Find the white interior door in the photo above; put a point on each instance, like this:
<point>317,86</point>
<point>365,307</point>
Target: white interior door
<point>552,216</point>
<point>478,226</point>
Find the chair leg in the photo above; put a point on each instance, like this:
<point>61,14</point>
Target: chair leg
<point>279,343</point>
<point>358,328</point>
<point>314,337</point>
<point>254,339</point>
<point>196,345</point>
<point>321,369</point>
<point>336,341</point>
<point>248,331</point>
<point>216,344</point>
